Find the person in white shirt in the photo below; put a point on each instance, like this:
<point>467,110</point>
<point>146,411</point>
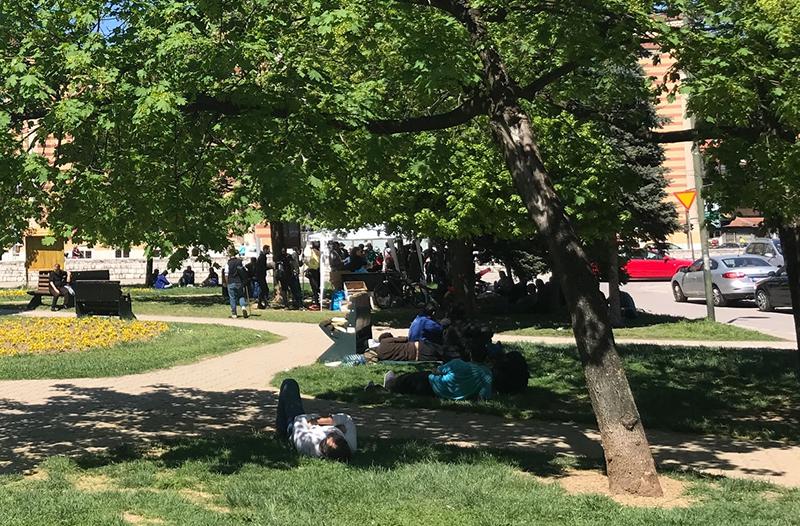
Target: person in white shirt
<point>332,437</point>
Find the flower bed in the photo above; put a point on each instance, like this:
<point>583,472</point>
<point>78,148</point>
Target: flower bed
<point>56,335</point>
<point>12,293</point>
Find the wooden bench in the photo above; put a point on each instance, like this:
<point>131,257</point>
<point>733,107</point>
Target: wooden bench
<point>43,285</point>
<point>102,298</point>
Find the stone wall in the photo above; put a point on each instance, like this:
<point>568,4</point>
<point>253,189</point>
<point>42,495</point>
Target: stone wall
<point>128,271</point>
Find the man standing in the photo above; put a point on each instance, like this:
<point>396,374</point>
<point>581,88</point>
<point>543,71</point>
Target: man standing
<point>59,286</point>
<point>311,261</point>
<point>237,277</point>
<point>263,264</point>
<point>332,437</point>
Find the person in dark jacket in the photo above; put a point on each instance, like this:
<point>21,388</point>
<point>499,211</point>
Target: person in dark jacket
<point>237,277</point>
<point>263,264</point>
<point>187,278</point>
<point>59,287</point>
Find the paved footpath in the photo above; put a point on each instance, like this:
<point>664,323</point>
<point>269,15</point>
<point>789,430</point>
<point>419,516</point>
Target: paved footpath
<point>231,393</point>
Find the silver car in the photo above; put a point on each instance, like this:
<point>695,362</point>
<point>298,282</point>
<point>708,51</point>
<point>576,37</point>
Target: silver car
<point>768,248</point>
<point>733,278</point>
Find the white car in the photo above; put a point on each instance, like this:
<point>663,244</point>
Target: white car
<point>733,278</point>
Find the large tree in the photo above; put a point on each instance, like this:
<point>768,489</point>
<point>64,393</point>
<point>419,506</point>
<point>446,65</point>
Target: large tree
<point>268,96</point>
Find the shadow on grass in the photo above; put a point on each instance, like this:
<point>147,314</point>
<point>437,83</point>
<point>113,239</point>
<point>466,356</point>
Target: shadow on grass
<point>228,453</point>
<point>228,430</point>
<point>746,393</point>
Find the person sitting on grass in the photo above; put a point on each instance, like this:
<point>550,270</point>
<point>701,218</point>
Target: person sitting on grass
<point>162,282</point>
<point>425,328</point>
<point>461,380</point>
<point>187,278</point>
<point>212,280</point>
<point>332,437</point>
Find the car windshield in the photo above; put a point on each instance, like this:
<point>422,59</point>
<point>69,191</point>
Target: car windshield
<point>744,262</point>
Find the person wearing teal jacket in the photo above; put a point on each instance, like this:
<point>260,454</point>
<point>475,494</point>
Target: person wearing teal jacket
<point>455,380</point>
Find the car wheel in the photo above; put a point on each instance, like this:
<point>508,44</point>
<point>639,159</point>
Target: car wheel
<point>677,293</point>
<point>763,301</point>
<point>719,299</point>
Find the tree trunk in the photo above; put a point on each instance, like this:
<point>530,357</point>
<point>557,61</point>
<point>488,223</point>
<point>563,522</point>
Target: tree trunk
<point>277,238</point>
<point>629,462</point>
<point>148,273</point>
<point>614,304</point>
<point>790,241</point>
<point>461,273</point>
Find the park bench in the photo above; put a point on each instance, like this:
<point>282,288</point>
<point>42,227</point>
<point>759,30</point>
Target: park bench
<point>102,298</point>
<point>350,335</point>
<point>43,284</point>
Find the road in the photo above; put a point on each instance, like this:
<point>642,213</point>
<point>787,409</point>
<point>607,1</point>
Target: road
<point>656,297</point>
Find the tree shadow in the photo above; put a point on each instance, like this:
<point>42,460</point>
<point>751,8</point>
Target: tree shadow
<point>104,425</point>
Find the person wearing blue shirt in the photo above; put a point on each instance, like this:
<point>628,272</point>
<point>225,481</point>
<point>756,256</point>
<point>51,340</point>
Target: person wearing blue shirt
<point>162,282</point>
<point>424,328</point>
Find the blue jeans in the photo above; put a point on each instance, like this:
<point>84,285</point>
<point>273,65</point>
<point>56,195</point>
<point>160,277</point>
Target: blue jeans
<point>235,292</point>
<point>289,406</point>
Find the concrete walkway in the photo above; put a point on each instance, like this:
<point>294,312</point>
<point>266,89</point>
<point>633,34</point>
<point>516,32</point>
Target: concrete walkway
<point>230,393</point>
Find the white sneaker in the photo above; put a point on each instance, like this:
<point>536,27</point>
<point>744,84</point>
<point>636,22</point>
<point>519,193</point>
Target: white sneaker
<point>234,316</point>
<point>245,312</point>
<point>388,379</point>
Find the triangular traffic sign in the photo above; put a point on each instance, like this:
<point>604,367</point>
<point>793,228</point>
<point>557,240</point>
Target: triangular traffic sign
<point>686,197</point>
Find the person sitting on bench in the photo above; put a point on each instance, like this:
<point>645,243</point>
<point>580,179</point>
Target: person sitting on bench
<point>331,437</point>
<point>425,327</point>
<point>59,287</point>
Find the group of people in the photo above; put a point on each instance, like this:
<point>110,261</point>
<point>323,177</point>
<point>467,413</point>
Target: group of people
<point>244,281</point>
<point>160,279</point>
<point>473,369</point>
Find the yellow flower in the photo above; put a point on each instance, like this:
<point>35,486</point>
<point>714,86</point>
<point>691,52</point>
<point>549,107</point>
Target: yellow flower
<point>55,335</point>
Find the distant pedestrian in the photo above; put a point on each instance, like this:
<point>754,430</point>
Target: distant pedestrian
<point>263,264</point>
<point>237,278</point>
<point>311,262</point>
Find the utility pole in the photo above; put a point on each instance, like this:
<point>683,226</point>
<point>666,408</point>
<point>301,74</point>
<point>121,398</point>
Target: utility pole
<point>701,220</point>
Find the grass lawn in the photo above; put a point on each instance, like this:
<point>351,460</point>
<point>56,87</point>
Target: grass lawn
<point>255,480</point>
<point>750,394</point>
<point>645,327</point>
<point>181,343</point>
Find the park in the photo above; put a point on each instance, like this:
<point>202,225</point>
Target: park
<point>490,341</point>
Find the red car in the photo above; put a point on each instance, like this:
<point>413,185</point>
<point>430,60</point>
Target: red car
<point>653,265</point>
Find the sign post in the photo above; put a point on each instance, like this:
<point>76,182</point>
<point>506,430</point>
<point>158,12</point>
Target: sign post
<point>687,198</point>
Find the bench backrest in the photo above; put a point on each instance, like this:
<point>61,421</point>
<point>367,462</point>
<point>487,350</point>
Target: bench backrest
<point>97,290</point>
<point>43,285</point>
<point>83,275</point>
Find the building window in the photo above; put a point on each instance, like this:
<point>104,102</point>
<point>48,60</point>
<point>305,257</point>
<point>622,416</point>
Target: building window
<point>122,253</point>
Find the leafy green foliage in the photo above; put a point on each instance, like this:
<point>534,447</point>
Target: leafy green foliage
<point>745,80</point>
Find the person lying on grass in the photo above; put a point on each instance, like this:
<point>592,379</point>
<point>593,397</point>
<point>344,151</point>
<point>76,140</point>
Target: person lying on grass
<point>462,380</point>
<point>400,349</point>
<point>332,437</point>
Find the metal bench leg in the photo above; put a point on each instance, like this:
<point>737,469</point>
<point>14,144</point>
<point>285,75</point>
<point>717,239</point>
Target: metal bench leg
<point>35,302</point>
<point>126,308</point>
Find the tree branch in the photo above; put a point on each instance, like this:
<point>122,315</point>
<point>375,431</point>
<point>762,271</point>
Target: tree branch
<point>529,92</point>
<point>468,110</point>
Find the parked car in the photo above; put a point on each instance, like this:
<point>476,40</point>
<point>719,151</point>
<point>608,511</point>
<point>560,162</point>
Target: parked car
<point>773,291</point>
<point>732,278</point>
<point>768,248</point>
<point>644,264</point>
